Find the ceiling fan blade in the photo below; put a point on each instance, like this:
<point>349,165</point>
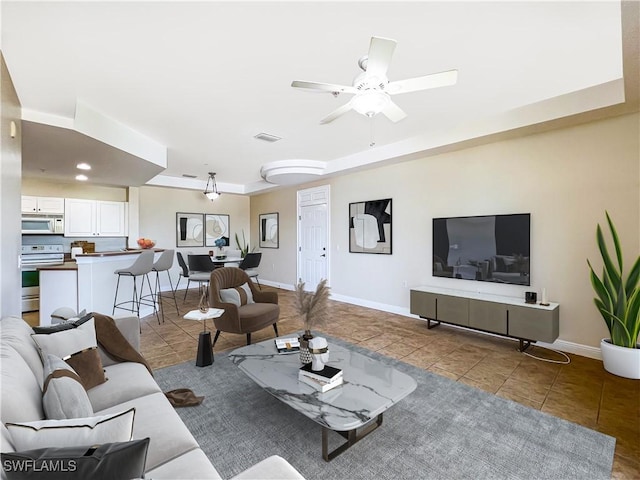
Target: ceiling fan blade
<point>336,113</point>
<point>325,87</point>
<point>433,80</point>
<point>380,53</point>
<point>393,112</point>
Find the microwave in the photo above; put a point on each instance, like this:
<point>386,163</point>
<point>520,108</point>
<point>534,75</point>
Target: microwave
<point>50,224</point>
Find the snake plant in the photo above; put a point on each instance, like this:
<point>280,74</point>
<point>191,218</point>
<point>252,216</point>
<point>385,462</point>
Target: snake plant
<point>618,298</point>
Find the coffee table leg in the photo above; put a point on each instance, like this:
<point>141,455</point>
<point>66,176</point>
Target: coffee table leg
<point>352,437</point>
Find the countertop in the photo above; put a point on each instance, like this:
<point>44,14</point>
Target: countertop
<point>70,265</point>
<point>129,251</point>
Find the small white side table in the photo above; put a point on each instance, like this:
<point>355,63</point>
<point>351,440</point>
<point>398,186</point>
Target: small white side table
<point>205,350</point>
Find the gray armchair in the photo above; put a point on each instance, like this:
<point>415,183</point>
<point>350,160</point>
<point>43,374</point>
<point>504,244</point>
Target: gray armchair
<point>246,318</point>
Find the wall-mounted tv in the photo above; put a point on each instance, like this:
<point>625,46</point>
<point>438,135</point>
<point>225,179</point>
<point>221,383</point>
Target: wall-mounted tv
<point>489,248</point>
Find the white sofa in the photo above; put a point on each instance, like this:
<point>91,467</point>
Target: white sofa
<point>173,452</point>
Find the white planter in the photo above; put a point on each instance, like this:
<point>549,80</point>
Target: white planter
<point>621,361</point>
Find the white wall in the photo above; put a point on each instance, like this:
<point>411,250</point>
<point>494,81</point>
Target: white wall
<point>10,177</point>
<point>565,178</point>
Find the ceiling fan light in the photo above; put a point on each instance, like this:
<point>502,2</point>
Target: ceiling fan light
<point>370,102</point>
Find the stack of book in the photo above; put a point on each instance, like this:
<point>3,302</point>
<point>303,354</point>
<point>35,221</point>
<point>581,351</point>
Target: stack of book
<point>322,380</point>
<point>287,345</point>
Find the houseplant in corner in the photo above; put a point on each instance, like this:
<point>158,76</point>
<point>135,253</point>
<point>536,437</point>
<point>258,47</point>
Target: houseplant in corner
<point>618,301</point>
<point>313,309</point>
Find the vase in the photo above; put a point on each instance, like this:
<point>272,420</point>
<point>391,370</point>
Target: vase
<point>621,361</point>
<point>305,354</point>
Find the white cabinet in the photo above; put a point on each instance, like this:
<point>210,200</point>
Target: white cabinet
<point>91,218</point>
<point>43,205</point>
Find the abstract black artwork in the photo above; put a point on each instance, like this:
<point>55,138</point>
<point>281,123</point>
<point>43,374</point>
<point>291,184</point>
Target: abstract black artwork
<point>370,227</point>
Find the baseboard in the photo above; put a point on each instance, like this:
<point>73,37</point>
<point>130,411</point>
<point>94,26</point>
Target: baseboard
<point>283,286</point>
<point>562,345</point>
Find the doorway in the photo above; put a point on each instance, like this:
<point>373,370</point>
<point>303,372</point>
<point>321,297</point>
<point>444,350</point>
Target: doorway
<point>313,236</point>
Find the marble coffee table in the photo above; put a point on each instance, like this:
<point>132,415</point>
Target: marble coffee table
<point>353,409</point>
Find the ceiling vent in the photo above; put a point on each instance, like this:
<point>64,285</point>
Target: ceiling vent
<point>267,137</point>
<point>186,175</point>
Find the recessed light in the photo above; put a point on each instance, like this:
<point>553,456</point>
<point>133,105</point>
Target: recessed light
<point>83,166</point>
<point>82,178</point>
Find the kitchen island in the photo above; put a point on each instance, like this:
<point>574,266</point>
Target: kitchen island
<point>89,284</point>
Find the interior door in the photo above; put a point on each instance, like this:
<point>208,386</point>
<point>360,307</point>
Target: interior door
<point>313,244</point>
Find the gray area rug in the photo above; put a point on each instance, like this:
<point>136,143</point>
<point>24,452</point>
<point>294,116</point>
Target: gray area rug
<point>443,430</point>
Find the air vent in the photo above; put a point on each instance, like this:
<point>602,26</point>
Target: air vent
<point>186,175</point>
<point>267,137</point>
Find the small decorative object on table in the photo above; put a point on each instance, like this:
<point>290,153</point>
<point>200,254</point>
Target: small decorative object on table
<point>319,349</point>
<point>313,308</point>
<point>286,345</point>
<point>203,305</point>
<point>146,243</point>
<point>220,242</point>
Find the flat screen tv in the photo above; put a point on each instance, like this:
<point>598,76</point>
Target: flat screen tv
<point>489,248</point>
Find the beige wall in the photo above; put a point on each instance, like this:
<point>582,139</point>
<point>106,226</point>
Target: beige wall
<point>565,178</point>
<point>10,177</point>
<point>43,188</point>
<point>158,207</point>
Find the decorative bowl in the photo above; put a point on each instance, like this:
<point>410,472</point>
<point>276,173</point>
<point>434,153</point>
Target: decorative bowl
<point>145,243</point>
<point>220,257</point>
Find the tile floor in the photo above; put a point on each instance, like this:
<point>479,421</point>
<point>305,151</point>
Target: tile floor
<point>581,392</point>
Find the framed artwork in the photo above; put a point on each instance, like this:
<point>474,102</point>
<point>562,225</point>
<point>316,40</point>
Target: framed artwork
<point>370,227</point>
<point>189,229</point>
<point>215,227</point>
<point>269,230</point>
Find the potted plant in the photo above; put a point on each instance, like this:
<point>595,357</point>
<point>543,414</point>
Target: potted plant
<point>618,301</point>
<point>313,309</point>
<point>244,247</point>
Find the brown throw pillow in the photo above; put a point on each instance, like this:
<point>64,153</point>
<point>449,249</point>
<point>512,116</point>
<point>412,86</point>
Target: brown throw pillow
<point>88,366</point>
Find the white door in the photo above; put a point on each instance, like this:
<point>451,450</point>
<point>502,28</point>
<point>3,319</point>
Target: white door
<point>110,219</point>
<point>313,246</point>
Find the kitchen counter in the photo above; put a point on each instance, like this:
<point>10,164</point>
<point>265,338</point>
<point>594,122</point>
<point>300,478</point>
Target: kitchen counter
<point>129,251</point>
<point>68,265</point>
<point>89,283</point>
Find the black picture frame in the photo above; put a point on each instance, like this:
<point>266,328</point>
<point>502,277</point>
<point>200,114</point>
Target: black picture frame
<point>189,229</point>
<point>269,226</point>
<point>370,227</point>
<point>216,226</point>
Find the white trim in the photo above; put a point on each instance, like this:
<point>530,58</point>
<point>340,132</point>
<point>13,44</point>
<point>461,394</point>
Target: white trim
<point>562,345</point>
<point>283,286</point>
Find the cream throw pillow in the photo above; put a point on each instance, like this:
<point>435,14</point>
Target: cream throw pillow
<point>115,427</point>
<point>239,295</point>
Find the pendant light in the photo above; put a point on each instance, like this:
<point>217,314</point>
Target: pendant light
<point>211,190</point>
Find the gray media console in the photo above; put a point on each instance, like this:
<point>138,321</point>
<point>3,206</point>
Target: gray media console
<point>489,313</point>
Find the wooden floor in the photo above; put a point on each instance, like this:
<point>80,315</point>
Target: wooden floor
<point>581,392</point>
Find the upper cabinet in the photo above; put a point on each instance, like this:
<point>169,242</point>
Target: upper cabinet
<point>90,218</point>
<point>42,205</point>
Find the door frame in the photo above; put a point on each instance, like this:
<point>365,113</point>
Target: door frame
<point>320,195</point>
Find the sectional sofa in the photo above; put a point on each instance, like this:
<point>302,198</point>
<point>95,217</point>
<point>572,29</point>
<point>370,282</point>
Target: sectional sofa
<point>172,452</point>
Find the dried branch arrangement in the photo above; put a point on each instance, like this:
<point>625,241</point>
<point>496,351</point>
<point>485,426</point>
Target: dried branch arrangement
<point>313,306</point>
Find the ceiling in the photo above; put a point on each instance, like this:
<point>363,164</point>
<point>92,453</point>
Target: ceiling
<point>203,78</point>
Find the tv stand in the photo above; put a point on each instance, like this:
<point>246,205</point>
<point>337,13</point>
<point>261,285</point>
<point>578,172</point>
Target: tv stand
<point>497,314</point>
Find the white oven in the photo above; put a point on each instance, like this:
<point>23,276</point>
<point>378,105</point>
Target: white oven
<point>38,224</point>
<point>32,258</point>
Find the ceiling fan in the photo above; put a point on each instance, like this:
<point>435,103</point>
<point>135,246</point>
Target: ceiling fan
<point>372,88</point>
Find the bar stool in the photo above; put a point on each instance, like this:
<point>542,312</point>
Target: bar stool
<point>163,264</point>
<point>140,268</point>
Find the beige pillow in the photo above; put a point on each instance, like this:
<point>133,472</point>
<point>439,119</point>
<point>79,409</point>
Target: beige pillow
<point>63,395</point>
<point>239,295</point>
